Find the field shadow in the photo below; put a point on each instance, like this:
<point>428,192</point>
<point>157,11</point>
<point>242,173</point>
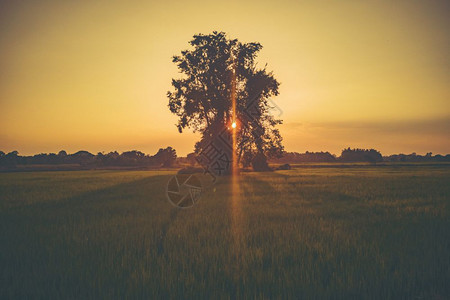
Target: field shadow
<point>100,196</point>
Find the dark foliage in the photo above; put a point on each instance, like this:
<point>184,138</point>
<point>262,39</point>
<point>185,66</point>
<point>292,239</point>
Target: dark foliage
<point>259,163</point>
<point>284,167</point>
<point>167,157</point>
<point>294,157</point>
<point>361,155</point>
<point>215,69</point>
<point>413,157</point>
<point>163,158</point>
<point>357,155</point>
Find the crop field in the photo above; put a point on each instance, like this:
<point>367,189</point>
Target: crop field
<point>365,232</point>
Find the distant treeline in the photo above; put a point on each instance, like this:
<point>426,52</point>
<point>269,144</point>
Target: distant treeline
<point>358,155</point>
<point>163,158</point>
<point>167,157</point>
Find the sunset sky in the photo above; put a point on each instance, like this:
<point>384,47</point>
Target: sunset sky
<point>93,75</point>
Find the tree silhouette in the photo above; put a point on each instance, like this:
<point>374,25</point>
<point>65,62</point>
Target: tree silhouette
<point>359,155</point>
<point>166,157</point>
<point>215,69</point>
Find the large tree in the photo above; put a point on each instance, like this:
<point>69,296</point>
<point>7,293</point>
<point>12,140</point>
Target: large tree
<point>215,69</point>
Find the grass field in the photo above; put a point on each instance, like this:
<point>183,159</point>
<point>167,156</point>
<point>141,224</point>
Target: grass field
<point>312,233</point>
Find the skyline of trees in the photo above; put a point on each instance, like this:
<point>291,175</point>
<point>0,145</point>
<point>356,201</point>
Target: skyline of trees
<point>167,157</point>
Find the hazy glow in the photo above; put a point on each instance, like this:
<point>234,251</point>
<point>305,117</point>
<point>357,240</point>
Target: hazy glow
<point>93,75</point>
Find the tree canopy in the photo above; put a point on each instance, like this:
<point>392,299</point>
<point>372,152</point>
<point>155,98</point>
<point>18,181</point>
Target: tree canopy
<point>215,70</point>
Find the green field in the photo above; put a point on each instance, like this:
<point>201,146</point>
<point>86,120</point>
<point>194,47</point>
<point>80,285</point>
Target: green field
<point>314,233</point>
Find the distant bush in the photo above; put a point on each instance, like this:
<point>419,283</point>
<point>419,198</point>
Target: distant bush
<point>284,167</point>
<point>361,155</point>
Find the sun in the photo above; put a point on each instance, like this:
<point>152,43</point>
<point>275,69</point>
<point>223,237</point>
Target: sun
<point>233,125</point>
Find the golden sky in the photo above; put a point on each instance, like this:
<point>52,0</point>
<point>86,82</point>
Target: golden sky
<point>93,75</point>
